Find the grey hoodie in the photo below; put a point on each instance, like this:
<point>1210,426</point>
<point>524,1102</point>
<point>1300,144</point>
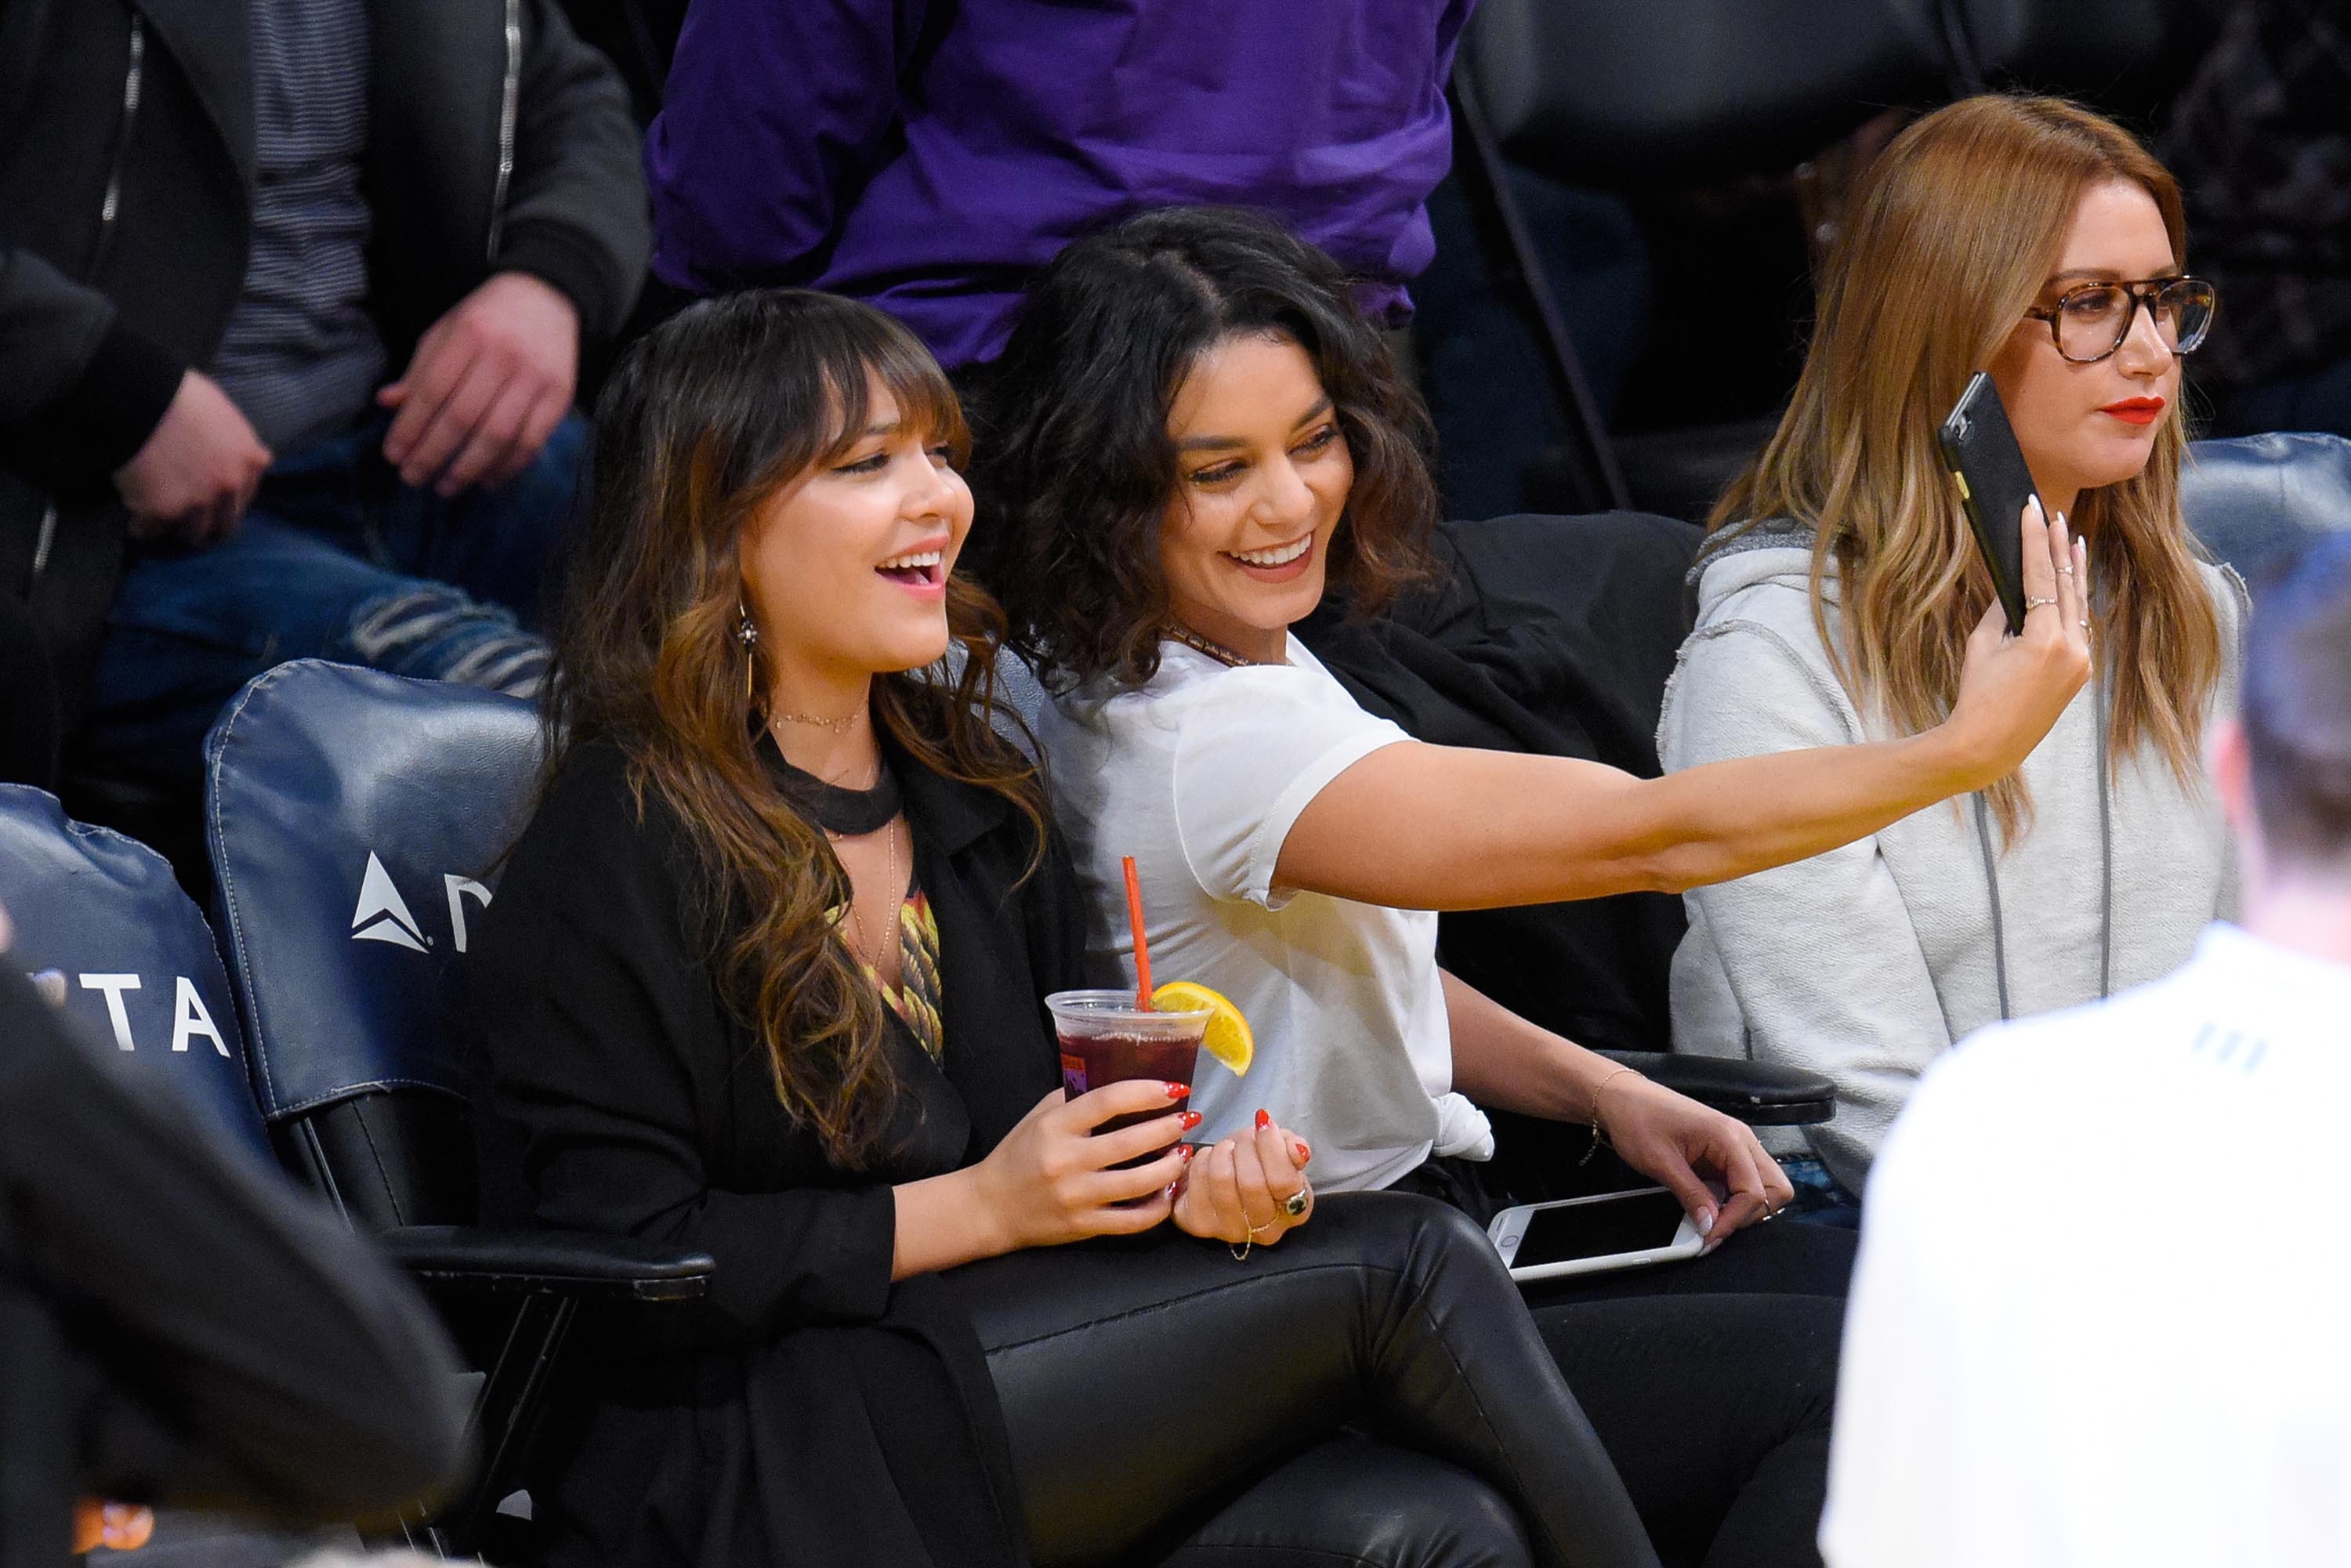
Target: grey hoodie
<point>1864,962</point>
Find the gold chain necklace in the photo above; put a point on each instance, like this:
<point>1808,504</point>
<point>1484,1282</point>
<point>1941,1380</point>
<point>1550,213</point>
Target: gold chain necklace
<point>1216,650</point>
<point>863,945</point>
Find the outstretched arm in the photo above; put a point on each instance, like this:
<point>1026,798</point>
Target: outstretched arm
<point>1462,829</point>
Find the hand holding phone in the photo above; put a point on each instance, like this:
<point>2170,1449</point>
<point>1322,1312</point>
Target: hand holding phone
<point>1980,448</point>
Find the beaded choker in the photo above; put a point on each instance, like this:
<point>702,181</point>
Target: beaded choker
<point>1216,650</point>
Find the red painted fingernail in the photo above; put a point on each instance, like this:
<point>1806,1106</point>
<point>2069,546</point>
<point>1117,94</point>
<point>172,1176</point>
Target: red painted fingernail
<point>1264,1120</point>
<point>1185,1152</point>
<point>1191,1119</point>
<point>1304,1153</point>
<point>1177,1091</point>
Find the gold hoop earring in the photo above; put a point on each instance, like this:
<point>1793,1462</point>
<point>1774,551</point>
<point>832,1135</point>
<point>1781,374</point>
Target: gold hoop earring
<point>747,633</point>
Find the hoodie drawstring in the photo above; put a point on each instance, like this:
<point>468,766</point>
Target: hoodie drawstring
<point>2106,872</point>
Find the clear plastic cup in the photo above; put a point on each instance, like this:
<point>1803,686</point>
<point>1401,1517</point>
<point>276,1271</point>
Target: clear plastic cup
<point>1106,1039</point>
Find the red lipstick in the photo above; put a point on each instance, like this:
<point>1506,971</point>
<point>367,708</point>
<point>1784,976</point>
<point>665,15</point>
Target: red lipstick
<point>2137,410</point>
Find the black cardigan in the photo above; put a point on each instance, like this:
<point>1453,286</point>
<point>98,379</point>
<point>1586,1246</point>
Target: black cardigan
<point>808,1410</point>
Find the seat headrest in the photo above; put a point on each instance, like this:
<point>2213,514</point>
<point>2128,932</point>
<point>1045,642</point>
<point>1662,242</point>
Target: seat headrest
<point>1603,92</point>
<point>101,921</point>
<point>356,821</point>
<point>2254,499</point>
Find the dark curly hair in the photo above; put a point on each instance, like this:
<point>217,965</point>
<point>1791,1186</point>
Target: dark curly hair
<point>704,419</point>
<point>1073,466</point>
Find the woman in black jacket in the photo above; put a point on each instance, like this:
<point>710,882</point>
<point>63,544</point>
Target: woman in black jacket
<point>764,978</point>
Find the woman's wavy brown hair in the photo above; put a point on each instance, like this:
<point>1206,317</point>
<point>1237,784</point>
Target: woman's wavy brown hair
<point>1075,466</point>
<point>1962,223</point>
<point>702,421</point>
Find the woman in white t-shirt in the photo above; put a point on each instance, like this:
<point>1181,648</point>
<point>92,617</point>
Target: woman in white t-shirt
<point>1190,433</point>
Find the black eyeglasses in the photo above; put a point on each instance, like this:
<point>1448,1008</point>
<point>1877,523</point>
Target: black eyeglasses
<point>2091,320</point>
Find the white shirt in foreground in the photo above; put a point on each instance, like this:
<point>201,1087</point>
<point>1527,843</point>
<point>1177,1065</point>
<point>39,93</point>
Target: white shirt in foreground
<point>2102,1311</point>
<point>1200,774</point>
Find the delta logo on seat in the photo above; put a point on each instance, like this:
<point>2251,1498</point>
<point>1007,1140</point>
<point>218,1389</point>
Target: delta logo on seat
<point>190,1017</point>
<point>382,916</point>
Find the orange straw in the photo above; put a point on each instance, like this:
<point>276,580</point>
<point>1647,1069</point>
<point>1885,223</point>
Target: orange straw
<point>1141,947</point>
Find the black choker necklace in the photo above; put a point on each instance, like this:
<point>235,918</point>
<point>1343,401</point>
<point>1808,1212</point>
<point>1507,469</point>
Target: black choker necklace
<point>847,813</point>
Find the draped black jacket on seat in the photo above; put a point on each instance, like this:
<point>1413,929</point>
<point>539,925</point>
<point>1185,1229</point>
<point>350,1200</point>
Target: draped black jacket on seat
<point>808,1410</point>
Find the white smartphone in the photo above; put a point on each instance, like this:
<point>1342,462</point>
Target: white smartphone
<point>1588,1234</point>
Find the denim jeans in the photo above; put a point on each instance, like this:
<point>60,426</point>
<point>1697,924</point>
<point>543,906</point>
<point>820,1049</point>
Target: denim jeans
<point>1821,1198</point>
<point>337,558</point>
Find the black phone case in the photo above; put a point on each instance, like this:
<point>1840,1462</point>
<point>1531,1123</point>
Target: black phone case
<point>1981,452</point>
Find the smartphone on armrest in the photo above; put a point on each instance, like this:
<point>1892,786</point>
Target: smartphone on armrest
<point>1980,449</point>
<point>1590,1235</point>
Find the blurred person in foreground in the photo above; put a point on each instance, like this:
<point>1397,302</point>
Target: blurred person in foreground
<point>176,1327</point>
<point>928,158</point>
<point>2032,239</point>
<point>293,292</point>
<point>2046,1367</point>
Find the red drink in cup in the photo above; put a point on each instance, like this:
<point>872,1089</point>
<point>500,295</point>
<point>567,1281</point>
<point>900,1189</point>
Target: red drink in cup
<point>1105,1039</point>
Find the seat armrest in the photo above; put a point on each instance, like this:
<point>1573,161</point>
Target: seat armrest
<point>575,1263</point>
<point>1760,1093</point>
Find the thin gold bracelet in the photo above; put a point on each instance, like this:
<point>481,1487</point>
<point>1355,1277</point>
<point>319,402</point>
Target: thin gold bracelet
<point>1599,1134</point>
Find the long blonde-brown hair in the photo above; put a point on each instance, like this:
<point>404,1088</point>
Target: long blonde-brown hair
<point>1954,238</point>
<point>703,420</point>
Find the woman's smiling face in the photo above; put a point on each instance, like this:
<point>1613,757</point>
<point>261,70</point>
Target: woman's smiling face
<point>1263,477</point>
<point>845,566</point>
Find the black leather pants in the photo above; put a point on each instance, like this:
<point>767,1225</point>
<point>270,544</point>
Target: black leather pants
<point>1166,1402</point>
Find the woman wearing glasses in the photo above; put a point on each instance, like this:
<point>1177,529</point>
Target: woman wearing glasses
<point>2030,239</point>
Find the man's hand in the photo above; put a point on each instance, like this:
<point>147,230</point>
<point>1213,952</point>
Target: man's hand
<point>489,382</point>
<point>198,470</point>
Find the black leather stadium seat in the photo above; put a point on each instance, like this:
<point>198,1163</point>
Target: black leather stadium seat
<point>105,927</point>
<point>2253,500</point>
<point>1598,92</point>
<point>356,820</point>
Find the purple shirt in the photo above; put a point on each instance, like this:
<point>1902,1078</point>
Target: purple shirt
<point>832,143</point>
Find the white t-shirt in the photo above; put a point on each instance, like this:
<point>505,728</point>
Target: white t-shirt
<point>1199,775</point>
<point>2102,1311</point>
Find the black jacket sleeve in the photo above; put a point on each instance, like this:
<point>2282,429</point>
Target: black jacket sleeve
<point>77,381</point>
<point>249,1351</point>
<point>576,213</point>
<point>605,1038</point>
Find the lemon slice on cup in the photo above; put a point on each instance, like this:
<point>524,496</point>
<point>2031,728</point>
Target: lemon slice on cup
<point>1228,1038</point>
